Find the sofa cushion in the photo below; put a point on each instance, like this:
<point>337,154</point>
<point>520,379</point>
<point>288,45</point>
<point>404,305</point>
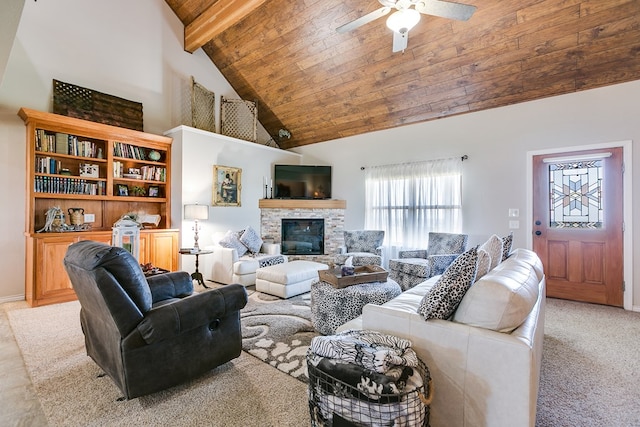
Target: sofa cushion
<point>502,299</point>
<point>231,240</point>
<point>251,239</point>
<point>443,299</point>
<point>494,247</point>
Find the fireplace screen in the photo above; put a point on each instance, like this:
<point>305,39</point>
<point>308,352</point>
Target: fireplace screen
<point>303,236</point>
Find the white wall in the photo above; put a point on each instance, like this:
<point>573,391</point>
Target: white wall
<point>497,142</point>
<point>133,50</point>
<point>195,152</point>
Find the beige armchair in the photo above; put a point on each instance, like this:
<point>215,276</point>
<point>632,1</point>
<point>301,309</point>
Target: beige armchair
<point>365,246</point>
<point>416,266</point>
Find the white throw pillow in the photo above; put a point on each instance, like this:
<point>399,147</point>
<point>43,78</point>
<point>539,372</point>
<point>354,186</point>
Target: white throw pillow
<point>484,263</point>
<point>252,240</point>
<point>232,241</point>
<point>493,246</point>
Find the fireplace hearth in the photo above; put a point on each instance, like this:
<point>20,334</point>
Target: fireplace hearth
<point>302,236</point>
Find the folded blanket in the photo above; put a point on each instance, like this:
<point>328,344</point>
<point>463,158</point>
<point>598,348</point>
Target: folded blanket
<point>353,381</point>
<point>369,349</point>
<point>271,260</point>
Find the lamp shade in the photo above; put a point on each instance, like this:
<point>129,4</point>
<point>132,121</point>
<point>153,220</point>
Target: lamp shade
<point>196,212</point>
<point>403,20</point>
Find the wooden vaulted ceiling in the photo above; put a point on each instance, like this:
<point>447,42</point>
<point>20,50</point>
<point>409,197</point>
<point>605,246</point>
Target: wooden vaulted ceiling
<point>320,85</point>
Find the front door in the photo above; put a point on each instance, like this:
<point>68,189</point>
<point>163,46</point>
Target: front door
<point>578,224</point>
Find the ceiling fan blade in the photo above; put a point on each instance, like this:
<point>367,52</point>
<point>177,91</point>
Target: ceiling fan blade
<point>446,9</point>
<point>379,13</point>
<point>400,41</point>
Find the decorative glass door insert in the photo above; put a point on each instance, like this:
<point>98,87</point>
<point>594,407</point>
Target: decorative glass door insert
<point>575,191</point>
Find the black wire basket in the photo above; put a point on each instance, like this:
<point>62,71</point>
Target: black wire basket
<point>334,403</point>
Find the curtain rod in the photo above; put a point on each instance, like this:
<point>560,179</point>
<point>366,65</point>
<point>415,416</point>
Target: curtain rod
<point>463,158</point>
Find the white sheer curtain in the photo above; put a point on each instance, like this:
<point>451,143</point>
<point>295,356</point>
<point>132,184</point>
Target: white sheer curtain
<point>409,200</point>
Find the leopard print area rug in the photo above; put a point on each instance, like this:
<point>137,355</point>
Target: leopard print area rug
<point>278,331</point>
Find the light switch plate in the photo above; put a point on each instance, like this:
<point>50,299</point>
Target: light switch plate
<point>89,217</point>
<point>514,225</point>
<point>514,212</point>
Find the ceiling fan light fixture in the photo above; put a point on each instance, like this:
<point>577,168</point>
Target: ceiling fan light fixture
<point>403,20</point>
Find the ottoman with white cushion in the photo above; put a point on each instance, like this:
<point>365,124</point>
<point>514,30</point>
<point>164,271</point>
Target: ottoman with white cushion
<point>288,279</point>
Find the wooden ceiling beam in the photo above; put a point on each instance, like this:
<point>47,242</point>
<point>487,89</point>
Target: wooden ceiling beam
<point>219,17</point>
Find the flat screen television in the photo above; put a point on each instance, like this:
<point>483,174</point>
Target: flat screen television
<point>302,182</point>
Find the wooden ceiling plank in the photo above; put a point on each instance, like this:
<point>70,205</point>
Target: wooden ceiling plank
<point>321,85</point>
<point>217,18</point>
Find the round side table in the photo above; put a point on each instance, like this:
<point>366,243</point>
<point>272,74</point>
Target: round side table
<point>332,307</point>
<point>196,275</point>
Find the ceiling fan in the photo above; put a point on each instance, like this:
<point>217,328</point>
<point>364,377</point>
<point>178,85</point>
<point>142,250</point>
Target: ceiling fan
<point>407,16</point>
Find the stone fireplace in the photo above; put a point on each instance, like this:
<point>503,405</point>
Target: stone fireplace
<point>273,211</point>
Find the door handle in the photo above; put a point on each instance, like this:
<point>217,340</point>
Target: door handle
<point>538,232</point>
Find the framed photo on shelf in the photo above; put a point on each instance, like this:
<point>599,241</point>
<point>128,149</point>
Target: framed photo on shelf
<point>227,185</point>
<point>154,191</point>
<point>123,190</point>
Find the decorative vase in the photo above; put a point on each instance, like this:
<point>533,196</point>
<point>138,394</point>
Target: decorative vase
<point>76,216</point>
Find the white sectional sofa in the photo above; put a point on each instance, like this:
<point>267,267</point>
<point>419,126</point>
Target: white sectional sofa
<point>485,361</point>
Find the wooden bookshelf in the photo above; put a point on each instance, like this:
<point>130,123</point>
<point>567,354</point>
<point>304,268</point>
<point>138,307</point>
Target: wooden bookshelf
<point>105,170</point>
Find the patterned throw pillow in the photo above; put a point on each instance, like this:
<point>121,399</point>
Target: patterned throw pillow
<point>507,243</point>
<point>252,240</point>
<point>445,296</point>
<point>484,264</point>
<point>232,241</point>
<point>494,247</point>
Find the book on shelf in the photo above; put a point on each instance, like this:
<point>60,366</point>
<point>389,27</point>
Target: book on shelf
<point>118,169</point>
<point>65,185</point>
<point>62,143</point>
<point>120,149</point>
<point>153,173</point>
<point>47,165</point>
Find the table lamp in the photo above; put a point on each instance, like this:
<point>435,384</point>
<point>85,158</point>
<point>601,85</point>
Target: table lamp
<point>194,213</point>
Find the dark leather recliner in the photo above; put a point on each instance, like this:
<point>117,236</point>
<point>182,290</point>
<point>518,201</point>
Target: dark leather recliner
<point>152,333</point>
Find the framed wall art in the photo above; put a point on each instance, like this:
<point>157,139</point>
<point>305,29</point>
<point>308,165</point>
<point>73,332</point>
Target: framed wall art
<point>227,185</point>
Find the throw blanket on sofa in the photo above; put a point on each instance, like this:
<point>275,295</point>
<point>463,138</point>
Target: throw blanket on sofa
<point>369,349</point>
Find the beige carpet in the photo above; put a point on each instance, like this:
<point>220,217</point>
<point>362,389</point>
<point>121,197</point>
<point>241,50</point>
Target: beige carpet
<point>590,374</point>
<point>590,366</point>
<point>244,392</point>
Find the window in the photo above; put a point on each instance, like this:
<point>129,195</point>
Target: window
<point>410,200</point>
